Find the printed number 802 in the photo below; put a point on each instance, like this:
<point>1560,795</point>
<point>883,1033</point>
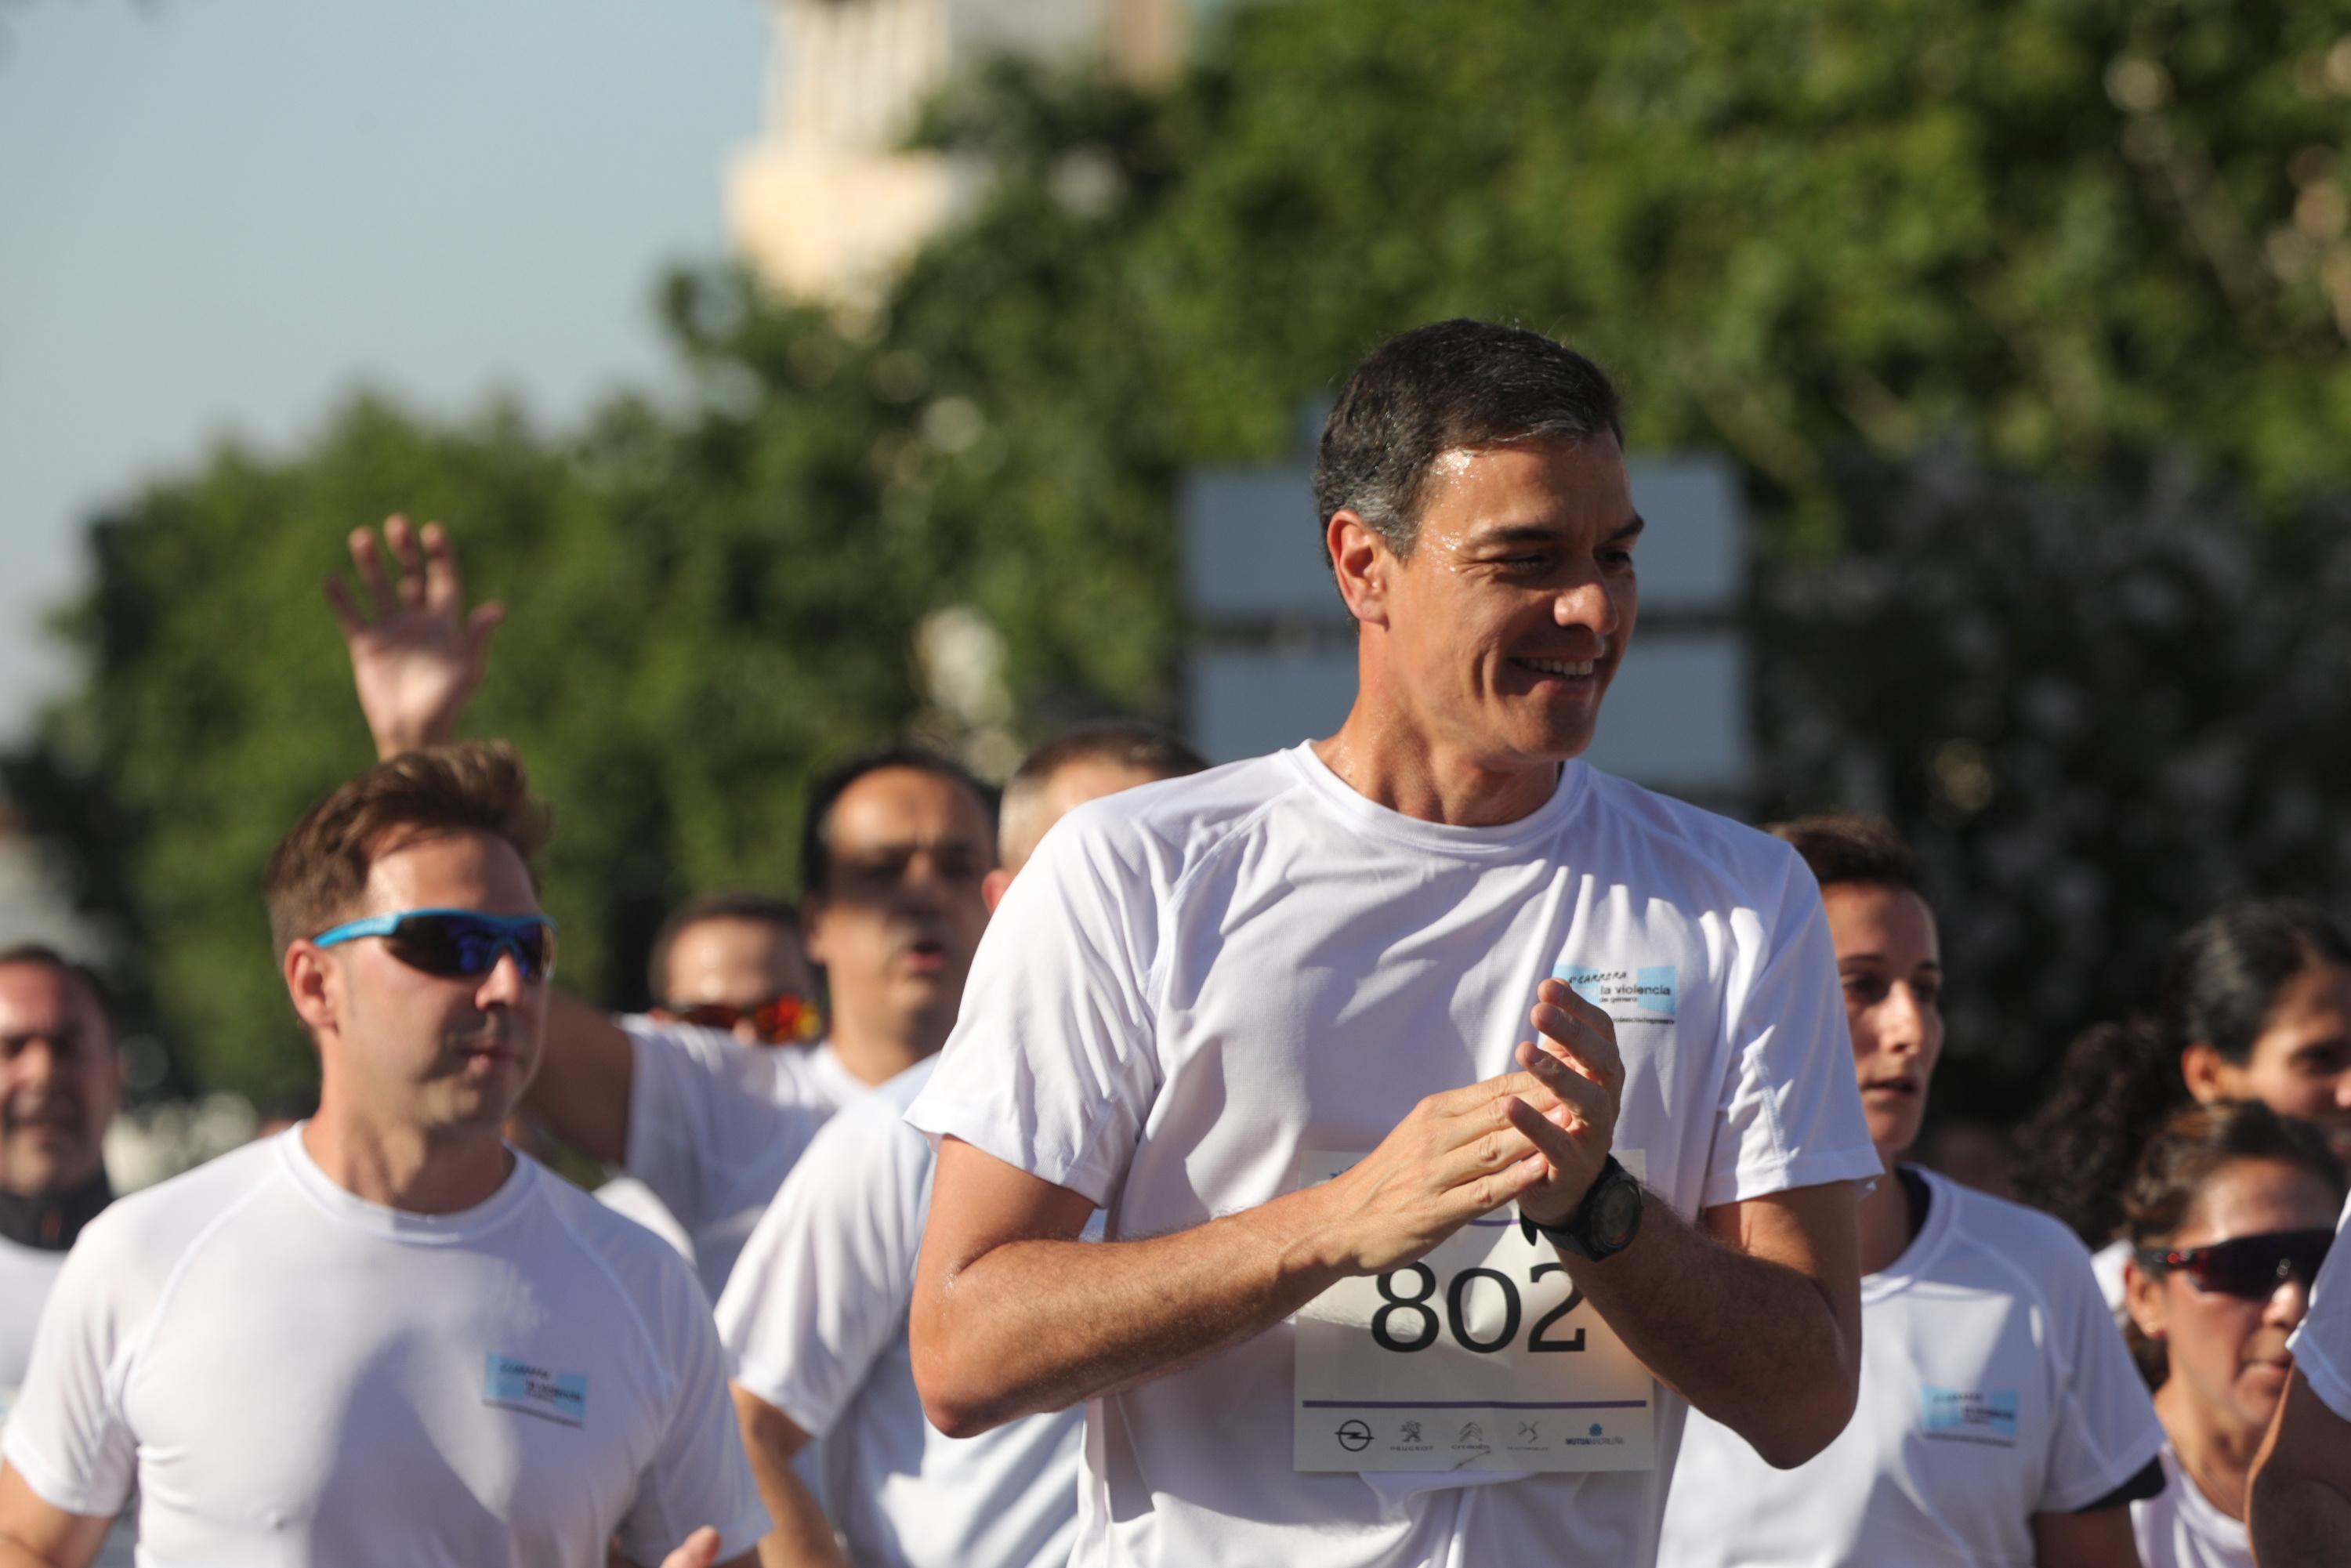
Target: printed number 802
<point>1457,1311</point>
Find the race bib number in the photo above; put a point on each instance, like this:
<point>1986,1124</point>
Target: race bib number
<point>1482,1355</point>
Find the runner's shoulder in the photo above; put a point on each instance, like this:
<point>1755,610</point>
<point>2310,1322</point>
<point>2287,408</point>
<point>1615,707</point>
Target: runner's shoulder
<point>642,1266</point>
<point>2034,1243</point>
<point>1717,855</point>
<point>145,1234</point>
<point>1162,827</point>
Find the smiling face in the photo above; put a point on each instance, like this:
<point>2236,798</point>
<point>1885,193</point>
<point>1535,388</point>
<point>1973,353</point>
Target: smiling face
<point>59,1080</point>
<point>900,917</point>
<point>403,1049</point>
<point>1496,636</point>
<point>1889,957</point>
<point>2226,1353</point>
<point>2299,1064</point>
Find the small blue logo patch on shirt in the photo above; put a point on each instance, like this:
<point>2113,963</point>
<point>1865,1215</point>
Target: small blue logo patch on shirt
<point>1638,994</point>
<point>1969,1416</point>
<point>512,1384</point>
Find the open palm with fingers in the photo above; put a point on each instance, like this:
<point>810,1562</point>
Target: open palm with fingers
<point>417,654</point>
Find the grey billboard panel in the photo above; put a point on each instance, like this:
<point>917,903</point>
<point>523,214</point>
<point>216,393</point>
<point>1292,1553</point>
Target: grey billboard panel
<point>1248,702</point>
<point>1252,550</point>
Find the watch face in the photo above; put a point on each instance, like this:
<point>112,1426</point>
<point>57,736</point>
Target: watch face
<point>1617,1213</point>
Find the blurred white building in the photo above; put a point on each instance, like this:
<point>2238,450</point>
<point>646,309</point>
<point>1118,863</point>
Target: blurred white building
<point>828,201</point>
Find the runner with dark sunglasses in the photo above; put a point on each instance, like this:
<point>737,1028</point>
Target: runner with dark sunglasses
<point>2229,1214</point>
<point>383,1335</point>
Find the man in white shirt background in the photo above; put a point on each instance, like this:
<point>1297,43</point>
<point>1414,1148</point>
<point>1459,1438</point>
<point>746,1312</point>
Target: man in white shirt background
<point>815,1312</point>
<point>1202,1002</point>
<point>894,845</point>
<point>60,1083</point>
<point>2000,1418</point>
<point>383,1336</point>
<point>2300,1492</point>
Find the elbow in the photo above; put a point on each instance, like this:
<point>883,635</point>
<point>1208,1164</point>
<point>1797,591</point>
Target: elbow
<point>954,1401</point>
<point>1796,1432</point>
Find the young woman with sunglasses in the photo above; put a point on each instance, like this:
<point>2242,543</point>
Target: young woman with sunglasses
<point>2229,1214</point>
<point>2255,1004</point>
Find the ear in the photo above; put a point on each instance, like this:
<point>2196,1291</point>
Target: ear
<point>2209,1075</point>
<point>312,985</point>
<point>992,887</point>
<point>1361,560</point>
<point>812,910</point>
<point>2143,1299</point>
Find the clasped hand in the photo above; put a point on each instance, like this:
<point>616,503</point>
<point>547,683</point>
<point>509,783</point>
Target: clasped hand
<point>1537,1137</point>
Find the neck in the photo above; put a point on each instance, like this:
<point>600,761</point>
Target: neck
<point>52,1220</point>
<point>421,1171</point>
<point>1399,765</point>
<point>877,1049</point>
<point>2215,1460</point>
<point>1886,1219</point>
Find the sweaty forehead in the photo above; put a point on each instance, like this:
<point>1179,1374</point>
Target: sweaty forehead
<point>2246,1197</point>
<point>1471,493</point>
<point>450,871</point>
<point>906,808</point>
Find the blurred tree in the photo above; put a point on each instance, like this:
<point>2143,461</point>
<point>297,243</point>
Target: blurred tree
<point>2054,234</point>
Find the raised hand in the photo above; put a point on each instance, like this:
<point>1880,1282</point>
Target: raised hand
<point>416,654</point>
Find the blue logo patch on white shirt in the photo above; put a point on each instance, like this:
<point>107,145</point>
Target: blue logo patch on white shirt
<point>1969,1415</point>
<point>1638,994</point>
<point>512,1384</point>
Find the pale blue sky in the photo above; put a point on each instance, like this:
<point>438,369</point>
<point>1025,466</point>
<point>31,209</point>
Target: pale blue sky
<point>216,216</point>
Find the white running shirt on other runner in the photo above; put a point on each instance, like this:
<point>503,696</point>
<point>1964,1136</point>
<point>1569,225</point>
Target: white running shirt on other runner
<point>1195,983</point>
<point>715,1125</point>
<point>2322,1345</point>
<point>815,1317</point>
<point>1993,1387</point>
<point>2182,1528</point>
<point>296,1378</point>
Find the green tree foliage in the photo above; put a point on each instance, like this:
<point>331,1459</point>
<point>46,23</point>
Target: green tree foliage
<point>2051,234</point>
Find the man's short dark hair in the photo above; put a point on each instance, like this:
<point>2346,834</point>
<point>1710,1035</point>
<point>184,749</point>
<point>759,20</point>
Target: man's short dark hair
<point>816,823</point>
<point>744,903</point>
<point>1458,385</point>
<point>42,953</point>
<point>1119,742</point>
<point>1845,849</point>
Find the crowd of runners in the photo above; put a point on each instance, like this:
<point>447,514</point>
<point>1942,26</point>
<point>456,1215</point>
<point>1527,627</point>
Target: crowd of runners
<point>1415,1147</point>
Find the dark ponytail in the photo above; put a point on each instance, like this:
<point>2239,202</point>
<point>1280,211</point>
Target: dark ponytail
<point>2118,1081</point>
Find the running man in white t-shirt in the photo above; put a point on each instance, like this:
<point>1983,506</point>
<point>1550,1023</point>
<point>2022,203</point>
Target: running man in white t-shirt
<point>383,1337</point>
<point>815,1314</point>
<point>1273,1020</point>
<point>894,846</point>
<point>2302,1483</point>
<point>2000,1418</point>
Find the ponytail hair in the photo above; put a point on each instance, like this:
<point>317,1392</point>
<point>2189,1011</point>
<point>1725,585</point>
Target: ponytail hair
<point>2118,1081</point>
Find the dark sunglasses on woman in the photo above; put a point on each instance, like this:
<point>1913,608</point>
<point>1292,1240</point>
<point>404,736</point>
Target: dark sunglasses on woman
<point>2253,1267</point>
<point>455,943</point>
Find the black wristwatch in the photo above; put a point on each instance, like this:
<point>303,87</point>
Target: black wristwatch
<point>1604,1223</point>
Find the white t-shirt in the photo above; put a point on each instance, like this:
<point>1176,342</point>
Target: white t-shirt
<point>2322,1345</point>
<point>815,1317</point>
<point>27,1275</point>
<point>713,1125</point>
<point>2107,1264</point>
<point>2181,1527</point>
<point>295,1376</point>
<point>1993,1387</point>
<point>632,1199</point>
<point>1195,983</point>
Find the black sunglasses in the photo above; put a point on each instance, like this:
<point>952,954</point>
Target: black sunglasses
<point>454,943</point>
<point>2253,1267</point>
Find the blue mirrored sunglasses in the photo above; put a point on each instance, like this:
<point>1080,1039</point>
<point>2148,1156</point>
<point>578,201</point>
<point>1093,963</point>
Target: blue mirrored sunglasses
<point>455,942</point>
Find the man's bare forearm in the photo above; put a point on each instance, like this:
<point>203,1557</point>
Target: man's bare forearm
<point>1055,1322</point>
<point>581,1089</point>
<point>1756,1344</point>
<point>2299,1502</point>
